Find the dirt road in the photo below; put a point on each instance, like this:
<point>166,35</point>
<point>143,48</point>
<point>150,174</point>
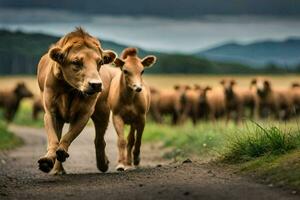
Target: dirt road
<point>20,178</point>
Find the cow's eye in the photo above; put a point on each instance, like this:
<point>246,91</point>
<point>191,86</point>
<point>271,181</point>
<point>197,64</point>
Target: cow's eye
<point>77,63</point>
<point>125,71</point>
<point>100,62</point>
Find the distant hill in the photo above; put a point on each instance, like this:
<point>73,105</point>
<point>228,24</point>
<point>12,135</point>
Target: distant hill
<point>165,8</point>
<point>20,53</point>
<point>284,53</point>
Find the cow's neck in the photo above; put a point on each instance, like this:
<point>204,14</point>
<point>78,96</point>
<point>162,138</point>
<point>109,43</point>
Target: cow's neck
<point>126,93</point>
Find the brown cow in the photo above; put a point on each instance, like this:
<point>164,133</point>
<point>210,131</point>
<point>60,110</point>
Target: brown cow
<point>213,103</point>
<point>272,100</point>
<point>191,103</point>
<point>129,100</point>
<point>10,100</point>
<point>74,88</point>
<point>237,100</point>
<point>295,90</point>
<point>37,107</point>
<point>167,102</point>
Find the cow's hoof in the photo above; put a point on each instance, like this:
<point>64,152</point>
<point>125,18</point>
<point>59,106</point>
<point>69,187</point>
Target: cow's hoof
<point>59,172</point>
<point>120,167</point>
<point>103,166</point>
<point>129,167</point>
<point>61,155</point>
<point>136,161</point>
<point>46,164</point>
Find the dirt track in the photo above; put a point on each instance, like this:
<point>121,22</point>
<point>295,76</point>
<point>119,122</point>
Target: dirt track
<point>20,178</point>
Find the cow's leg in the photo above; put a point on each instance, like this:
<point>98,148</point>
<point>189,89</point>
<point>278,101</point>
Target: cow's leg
<point>75,129</point>
<point>119,126</point>
<point>137,146</point>
<point>101,120</point>
<point>53,127</point>
<point>130,143</point>
<point>58,168</point>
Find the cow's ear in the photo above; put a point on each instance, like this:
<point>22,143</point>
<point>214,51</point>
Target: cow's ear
<point>148,61</point>
<point>109,56</point>
<point>207,88</point>
<point>232,82</point>
<point>222,82</point>
<point>254,81</point>
<point>267,84</point>
<point>197,87</point>
<point>119,63</point>
<point>176,87</point>
<point>57,55</point>
<point>187,87</point>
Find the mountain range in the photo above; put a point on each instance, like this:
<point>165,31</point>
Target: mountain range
<point>284,53</point>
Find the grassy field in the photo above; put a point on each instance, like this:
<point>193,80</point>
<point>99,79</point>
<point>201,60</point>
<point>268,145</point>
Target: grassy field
<point>167,81</point>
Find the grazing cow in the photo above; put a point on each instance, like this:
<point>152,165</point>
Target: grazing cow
<point>237,100</point>
<point>191,104</point>
<point>37,107</point>
<point>129,100</point>
<point>272,100</point>
<point>10,100</point>
<point>213,102</point>
<point>295,90</point>
<point>167,102</point>
<point>74,87</point>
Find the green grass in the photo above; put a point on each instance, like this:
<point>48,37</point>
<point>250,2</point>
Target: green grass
<point>260,142</point>
<point>204,140</point>
<point>280,170</point>
<point>7,139</point>
<point>24,116</point>
<point>269,153</point>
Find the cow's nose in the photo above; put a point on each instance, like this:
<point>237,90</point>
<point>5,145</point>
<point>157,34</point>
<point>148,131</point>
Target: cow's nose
<point>138,89</point>
<point>95,86</point>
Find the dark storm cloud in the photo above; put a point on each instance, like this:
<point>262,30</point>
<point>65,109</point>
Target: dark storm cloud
<point>168,8</point>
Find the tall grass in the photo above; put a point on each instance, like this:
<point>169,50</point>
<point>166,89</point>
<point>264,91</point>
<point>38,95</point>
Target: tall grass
<point>261,141</point>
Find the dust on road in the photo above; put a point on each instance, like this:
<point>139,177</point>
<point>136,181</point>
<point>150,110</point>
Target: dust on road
<point>20,178</point>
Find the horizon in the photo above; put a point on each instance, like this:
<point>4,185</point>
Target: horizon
<point>157,30</point>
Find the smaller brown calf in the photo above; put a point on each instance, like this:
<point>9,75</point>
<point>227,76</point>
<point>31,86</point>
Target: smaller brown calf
<point>129,100</point>
<point>10,100</point>
<point>37,107</point>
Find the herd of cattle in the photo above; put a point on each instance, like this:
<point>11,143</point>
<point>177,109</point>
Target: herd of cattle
<point>259,100</point>
<point>183,102</point>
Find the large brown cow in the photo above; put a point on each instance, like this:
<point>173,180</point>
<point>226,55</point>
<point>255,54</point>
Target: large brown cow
<point>74,88</point>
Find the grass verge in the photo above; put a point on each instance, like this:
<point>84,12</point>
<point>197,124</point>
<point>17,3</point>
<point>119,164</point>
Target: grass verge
<point>270,153</point>
<point>7,139</point>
